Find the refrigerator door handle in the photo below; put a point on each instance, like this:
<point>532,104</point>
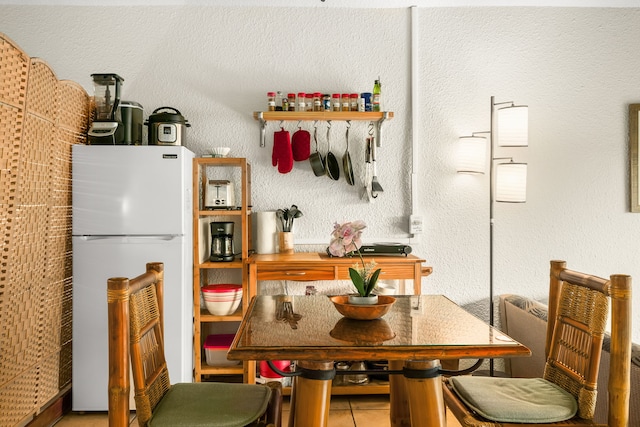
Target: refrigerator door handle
<point>168,237</point>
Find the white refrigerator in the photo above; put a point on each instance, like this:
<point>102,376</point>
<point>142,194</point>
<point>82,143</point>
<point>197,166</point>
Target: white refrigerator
<point>131,205</point>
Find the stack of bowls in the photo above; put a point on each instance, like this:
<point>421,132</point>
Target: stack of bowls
<point>222,299</point>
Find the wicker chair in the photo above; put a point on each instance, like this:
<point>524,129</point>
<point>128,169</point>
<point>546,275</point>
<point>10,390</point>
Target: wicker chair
<point>578,308</point>
<point>135,328</point>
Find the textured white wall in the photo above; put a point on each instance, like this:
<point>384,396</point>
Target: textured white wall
<point>576,68</point>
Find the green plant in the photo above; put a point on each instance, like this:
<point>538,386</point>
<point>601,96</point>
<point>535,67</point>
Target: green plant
<point>346,239</point>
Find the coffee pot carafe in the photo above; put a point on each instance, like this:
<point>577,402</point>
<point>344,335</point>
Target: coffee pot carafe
<point>222,242</point>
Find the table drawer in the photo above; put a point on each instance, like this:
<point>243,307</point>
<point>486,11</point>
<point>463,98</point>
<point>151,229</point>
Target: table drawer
<point>271,272</point>
<point>389,271</point>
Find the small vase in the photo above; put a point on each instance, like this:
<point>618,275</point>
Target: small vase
<point>359,300</point>
<point>285,242</point>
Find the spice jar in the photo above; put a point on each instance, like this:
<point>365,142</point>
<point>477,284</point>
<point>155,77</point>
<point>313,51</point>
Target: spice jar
<point>326,102</point>
<point>301,101</point>
<point>291,97</point>
<point>271,101</point>
<point>353,102</point>
<point>309,102</point>
<point>367,100</point>
<point>285,103</point>
<point>335,102</point>
<point>317,101</point>
<point>345,102</point>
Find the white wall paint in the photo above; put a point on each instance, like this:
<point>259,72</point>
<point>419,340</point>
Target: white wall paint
<point>368,4</point>
<point>576,68</point>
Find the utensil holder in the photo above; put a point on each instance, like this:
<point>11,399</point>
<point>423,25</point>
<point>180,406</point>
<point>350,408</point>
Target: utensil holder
<point>285,242</point>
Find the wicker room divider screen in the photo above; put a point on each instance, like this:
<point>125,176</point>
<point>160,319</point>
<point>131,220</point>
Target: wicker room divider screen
<point>40,119</point>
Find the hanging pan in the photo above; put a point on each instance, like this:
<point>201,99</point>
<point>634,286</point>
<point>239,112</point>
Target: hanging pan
<point>331,165</point>
<point>316,160</point>
<point>346,160</point>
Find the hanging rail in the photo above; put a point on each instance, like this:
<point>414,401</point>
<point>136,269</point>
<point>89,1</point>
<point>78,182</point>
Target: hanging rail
<point>264,116</point>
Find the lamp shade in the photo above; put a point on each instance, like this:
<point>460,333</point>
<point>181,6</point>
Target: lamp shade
<point>512,126</point>
<point>472,153</point>
<point>511,182</point>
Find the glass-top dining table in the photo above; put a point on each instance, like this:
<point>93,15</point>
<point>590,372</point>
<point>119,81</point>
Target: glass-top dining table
<point>415,334</point>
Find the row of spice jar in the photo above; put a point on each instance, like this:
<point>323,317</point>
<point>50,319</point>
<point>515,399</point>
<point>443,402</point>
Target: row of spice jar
<point>316,101</point>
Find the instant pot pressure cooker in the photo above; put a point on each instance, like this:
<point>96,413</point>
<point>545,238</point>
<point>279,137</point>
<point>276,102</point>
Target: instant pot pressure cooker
<point>167,127</point>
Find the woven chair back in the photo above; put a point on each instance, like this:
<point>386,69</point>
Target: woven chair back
<point>578,313</point>
<point>136,319</point>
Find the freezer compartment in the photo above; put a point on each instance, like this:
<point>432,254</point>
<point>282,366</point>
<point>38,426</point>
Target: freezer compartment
<point>96,259</point>
<point>131,190</point>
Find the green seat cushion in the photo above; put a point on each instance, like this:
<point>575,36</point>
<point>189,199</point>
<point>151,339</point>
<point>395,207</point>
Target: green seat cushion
<point>210,404</point>
<point>518,400</point>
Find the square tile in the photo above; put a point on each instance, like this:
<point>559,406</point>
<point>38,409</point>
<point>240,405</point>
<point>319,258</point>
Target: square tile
<point>374,401</point>
<point>371,418</point>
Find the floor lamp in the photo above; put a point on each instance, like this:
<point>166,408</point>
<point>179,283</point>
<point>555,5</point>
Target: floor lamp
<point>507,180</point>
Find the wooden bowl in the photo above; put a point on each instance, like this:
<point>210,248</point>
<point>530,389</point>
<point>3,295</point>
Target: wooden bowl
<point>363,312</point>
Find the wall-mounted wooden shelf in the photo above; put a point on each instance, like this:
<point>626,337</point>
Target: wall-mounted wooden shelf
<point>264,116</point>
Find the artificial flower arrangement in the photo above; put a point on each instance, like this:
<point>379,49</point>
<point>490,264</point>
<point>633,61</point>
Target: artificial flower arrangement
<point>286,217</point>
<point>345,241</point>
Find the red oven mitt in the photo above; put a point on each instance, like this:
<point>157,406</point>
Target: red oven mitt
<point>301,145</point>
<point>282,155</point>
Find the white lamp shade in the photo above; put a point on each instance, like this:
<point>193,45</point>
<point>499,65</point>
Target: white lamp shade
<point>512,126</point>
<point>511,182</point>
<point>472,153</point>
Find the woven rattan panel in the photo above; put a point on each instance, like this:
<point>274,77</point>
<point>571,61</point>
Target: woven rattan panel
<point>41,118</point>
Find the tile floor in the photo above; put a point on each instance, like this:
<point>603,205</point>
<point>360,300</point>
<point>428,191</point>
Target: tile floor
<point>345,411</point>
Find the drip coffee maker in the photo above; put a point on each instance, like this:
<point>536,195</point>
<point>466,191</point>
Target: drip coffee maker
<point>221,242</point>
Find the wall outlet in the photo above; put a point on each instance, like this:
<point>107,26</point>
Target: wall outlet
<point>415,224</point>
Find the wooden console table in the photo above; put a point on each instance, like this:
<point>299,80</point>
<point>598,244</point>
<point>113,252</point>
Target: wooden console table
<point>312,266</point>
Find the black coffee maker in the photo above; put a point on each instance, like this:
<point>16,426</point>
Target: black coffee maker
<point>221,242</point>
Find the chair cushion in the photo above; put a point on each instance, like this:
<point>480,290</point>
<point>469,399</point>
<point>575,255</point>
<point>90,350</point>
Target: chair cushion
<point>519,400</point>
<point>210,404</point>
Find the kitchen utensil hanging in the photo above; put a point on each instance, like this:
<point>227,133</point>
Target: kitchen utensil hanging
<point>375,185</point>
<point>366,178</point>
<point>331,165</point>
<point>282,155</point>
<point>316,159</point>
<point>300,144</point>
<point>346,159</point>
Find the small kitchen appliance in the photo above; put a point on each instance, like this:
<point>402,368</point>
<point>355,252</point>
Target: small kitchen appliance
<point>219,194</point>
<point>221,242</point>
<point>131,114</point>
<point>167,127</point>
<point>106,128</point>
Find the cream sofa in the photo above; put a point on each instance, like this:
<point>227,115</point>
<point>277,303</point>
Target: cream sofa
<point>526,321</point>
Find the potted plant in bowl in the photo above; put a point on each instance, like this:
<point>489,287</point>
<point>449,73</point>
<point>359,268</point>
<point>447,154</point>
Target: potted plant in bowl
<point>285,236</point>
<point>345,241</point>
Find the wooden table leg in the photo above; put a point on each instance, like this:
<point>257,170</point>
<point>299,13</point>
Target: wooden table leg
<point>310,397</point>
<point>398,401</point>
<point>426,403</point>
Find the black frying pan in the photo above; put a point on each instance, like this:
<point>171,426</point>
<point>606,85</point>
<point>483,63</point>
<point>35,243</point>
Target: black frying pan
<point>331,164</point>
<point>316,160</point>
<point>346,162</point>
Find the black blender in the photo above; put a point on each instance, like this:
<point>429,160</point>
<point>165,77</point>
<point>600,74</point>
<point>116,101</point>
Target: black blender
<point>106,128</point>
<point>221,242</point>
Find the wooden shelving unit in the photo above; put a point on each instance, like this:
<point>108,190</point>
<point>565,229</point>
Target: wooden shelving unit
<point>238,171</point>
